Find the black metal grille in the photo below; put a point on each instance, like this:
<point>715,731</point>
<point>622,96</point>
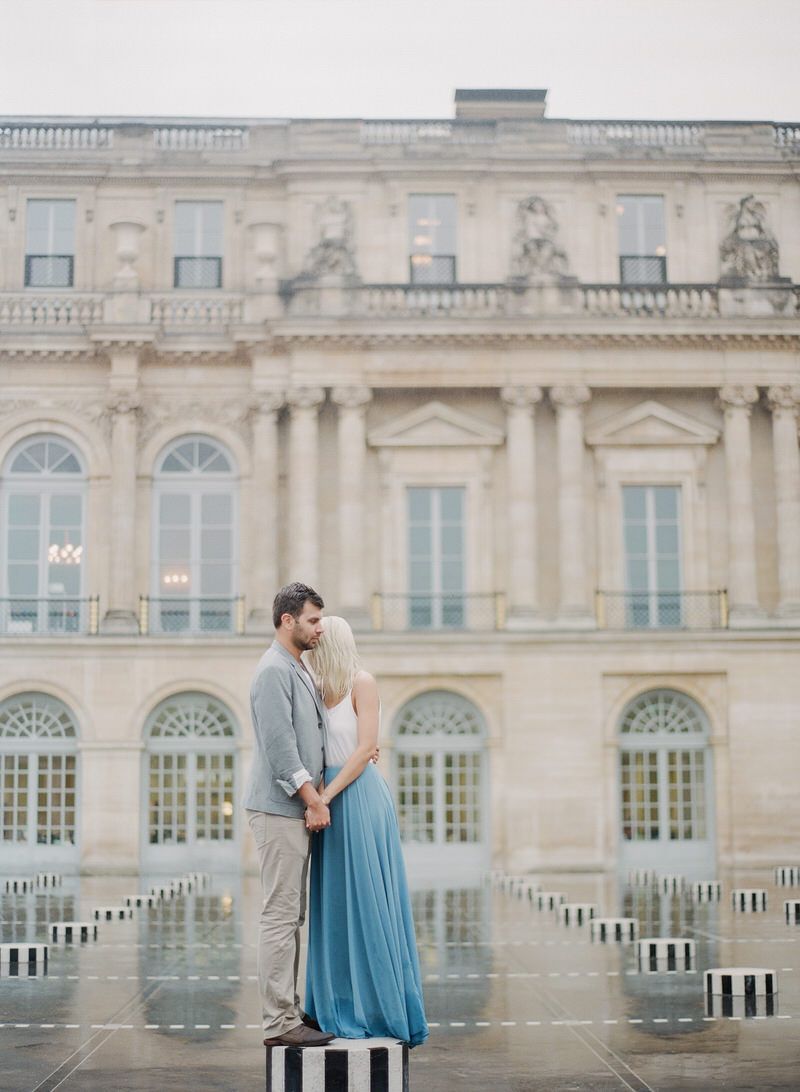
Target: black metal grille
<point>643,269</point>
<point>198,272</point>
<point>49,270</point>
<point>662,610</point>
<point>432,269</point>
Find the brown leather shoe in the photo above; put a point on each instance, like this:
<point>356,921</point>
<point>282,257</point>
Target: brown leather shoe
<point>310,1022</point>
<point>300,1038</point>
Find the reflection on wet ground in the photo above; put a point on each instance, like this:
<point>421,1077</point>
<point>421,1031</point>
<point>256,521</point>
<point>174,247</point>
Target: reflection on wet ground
<point>517,1001</point>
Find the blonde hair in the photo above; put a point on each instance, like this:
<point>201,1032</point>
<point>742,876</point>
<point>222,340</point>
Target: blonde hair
<point>335,661</point>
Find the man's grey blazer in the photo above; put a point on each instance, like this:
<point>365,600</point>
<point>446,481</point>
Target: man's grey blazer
<point>289,722</point>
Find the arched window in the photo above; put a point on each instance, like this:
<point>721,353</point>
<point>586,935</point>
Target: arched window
<point>440,778</point>
<point>665,780</point>
<point>190,783</point>
<point>195,571</point>
<point>43,511</point>
<point>38,780</point>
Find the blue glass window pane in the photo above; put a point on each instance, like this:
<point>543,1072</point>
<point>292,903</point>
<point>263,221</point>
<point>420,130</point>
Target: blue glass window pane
<point>419,504</point>
<point>666,501</point>
<point>634,502</point>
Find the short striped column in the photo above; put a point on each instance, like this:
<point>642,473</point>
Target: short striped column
<point>641,877</point>
<point>357,1065</point>
<point>787,876</point>
<point>182,885</point>
<point>48,879</point>
<point>667,953</point>
<point>112,913</point>
<point>548,900</point>
<point>791,910</point>
<point>671,884</point>
<point>605,929</point>
<point>163,891</point>
<point>748,899</point>
<point>706,891</point>
<point>18,885</point>
<point>17,955</point>
<point>198,879</point>
<point>70,931</point>
<point>140,900</point>
<point>529,890</point>
<point>576,913</point>
<point>740,991</point>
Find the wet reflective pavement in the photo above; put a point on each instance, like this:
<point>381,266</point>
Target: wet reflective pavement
<point>516,1000</point>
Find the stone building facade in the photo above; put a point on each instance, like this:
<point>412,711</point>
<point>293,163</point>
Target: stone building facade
<point>518,394</point>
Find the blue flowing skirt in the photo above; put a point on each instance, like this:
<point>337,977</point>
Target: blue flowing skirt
<point>362,977</point>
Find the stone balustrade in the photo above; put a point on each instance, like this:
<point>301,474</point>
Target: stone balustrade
<point>56,137</point>
<point>196,138</point>
<point>640,134</point>
<point>581,303</point>
<point>62,310</point>
<point>428,132</point>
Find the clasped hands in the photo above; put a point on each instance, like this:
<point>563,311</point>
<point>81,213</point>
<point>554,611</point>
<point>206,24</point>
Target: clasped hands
<point>317,814</point>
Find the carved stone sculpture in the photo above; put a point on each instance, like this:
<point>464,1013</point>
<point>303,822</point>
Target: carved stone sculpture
<point>332,254</point>
<point>749,252</point>
<point>536,254</point>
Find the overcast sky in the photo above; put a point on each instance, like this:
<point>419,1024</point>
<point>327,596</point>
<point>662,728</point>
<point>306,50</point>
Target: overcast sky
<point>399,58</point>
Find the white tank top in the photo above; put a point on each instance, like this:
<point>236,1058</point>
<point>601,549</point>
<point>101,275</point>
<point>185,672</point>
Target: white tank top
<point>342,732</point>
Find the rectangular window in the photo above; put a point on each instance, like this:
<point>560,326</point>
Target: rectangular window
<point>652,541</point>
<point>50,244</point>
<point>642,239</point>
<point>432,238</point>
<point>436,558</point>
<point>198,244</point>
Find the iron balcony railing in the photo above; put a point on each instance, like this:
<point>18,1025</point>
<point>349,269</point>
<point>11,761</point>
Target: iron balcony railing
<point>434,269</point>
<point>662,610</point>
<point>49,270</point>
<point>644,269</point>
<point>21,616</point>
<point>432,613</point>
<point>200,273</point>
<point>179,617</point>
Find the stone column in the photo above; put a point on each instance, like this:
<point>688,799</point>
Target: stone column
<point>122,613</point>
<point>302,562</point>
<point>352,464</point>
<point>785,405</point>
<point>522,588</point>
<point>264,406</point>
<point>737,402</point>
<point>574,602</point>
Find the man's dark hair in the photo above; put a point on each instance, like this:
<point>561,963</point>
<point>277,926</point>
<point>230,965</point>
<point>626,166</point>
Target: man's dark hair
<point>291,600</point>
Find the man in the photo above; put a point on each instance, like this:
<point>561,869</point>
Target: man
<point>283,806</point>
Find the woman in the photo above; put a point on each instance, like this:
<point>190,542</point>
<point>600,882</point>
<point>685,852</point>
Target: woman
<point>363,975</point>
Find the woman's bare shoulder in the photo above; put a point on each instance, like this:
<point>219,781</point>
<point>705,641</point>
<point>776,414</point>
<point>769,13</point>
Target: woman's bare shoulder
<point>364,683</point>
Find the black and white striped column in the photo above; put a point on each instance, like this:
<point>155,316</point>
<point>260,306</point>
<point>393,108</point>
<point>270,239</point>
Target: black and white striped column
<point>15,956</point>
<point>112,913</point>
<point>71,931</point>
<point>671,884</point>
<point>706,891</point>
<point>787,876</point>
<point>667,953</point>
<point>642,877</point>
<point>748,899</point>
<point>344,1065</point>
<point>18,885</point>
<point>163,891</point>
<point>605,929</point>
<point>48,879</point>
<point>197,879</point>
<point>140,900</point>
<point>740,991</point>
<point>791,910</point>
<point>548,900</point>
<point>576,913</point>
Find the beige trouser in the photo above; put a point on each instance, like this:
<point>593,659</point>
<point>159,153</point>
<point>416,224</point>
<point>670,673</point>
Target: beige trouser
<point>284,847</point>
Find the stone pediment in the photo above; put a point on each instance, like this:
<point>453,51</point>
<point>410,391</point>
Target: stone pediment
<point>436,425</point>
<point>651,425</point>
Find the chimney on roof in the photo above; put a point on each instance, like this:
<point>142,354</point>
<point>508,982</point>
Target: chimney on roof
<point>493,103</point>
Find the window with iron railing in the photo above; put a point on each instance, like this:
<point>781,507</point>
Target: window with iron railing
<point>432,238</point>
<point>50,244</point>
<point>642,239</point>
<point>198,244</point>
<point>652,537</point>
